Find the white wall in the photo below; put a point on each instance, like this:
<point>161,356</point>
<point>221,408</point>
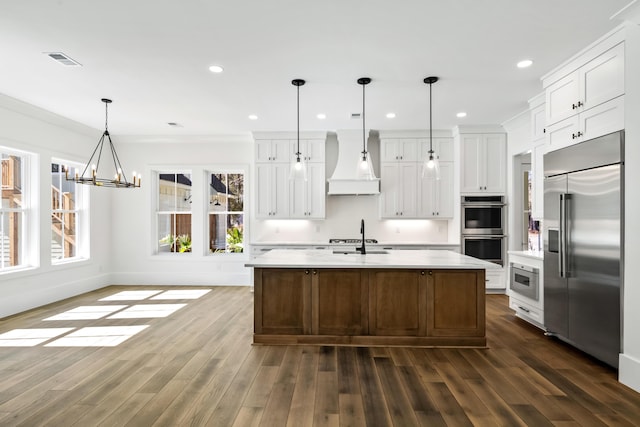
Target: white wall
<point>629,373</point>
<point>30,129</point>
<point>133,238</point>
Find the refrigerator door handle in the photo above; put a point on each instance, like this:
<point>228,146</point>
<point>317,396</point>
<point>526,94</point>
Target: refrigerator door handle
<point>563,266</point>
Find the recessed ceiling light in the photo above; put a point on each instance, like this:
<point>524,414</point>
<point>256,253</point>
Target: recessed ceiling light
<point>253,117</point>
<point>216,69</point>
<point>321,116</point>
<point>525,63</point>
<point>391,115</point>
<point>461,114</point>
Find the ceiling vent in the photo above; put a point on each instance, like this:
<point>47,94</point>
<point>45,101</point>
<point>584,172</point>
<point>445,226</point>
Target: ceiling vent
<point>63,59</point>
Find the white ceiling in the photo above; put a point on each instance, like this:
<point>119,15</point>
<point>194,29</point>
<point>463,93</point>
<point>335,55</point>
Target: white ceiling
<point>152,57</point>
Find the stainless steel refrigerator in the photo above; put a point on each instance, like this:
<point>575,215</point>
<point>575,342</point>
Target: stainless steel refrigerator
<point>583,229</point>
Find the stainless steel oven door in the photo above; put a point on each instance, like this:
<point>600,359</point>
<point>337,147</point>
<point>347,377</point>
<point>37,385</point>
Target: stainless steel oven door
<point>524,280</point>
<point>488,248</point>
<point>483,219</point>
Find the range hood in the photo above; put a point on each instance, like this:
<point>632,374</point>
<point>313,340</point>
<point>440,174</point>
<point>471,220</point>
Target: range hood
<point>344,180</point>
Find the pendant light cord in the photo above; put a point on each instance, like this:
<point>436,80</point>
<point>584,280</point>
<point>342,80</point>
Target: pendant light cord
<point>106,116</point>
<point>298,121</point>
<point>430,120</point>
<point>364,141</point>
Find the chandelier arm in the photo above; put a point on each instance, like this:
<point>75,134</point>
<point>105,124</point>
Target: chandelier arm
<point>116,162</point>
<point>99,145</point>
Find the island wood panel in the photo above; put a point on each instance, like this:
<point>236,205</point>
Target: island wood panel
<point>456,303</point>
<point>282,301</point>
<point>397,303</point>
<point>339,302</point>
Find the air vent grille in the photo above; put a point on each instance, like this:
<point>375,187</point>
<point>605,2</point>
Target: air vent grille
<point>63,59</point>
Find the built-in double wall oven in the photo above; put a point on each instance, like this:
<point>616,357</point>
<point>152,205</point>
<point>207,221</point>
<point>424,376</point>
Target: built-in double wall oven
<point>483,227</point>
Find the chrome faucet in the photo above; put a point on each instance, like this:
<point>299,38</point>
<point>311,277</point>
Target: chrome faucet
<point>362,249</point>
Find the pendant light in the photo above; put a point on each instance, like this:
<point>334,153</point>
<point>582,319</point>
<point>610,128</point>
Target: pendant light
<point>119,179</point>
<point>365,167</point>
<point>431,166</point>
<point>298,166</point>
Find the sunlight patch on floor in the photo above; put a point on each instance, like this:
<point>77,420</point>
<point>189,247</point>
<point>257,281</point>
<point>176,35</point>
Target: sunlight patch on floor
<point>130,295</point>
<point>30,337</point>
<point>182,294</point>
<point>145,311</point>
<point>98,336</point>
<point>87,312</point>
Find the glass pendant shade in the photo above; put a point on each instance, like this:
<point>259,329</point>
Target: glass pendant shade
<point>364,169</point>
<point>298,170</point>
<point>298,167</point>
<point>431,167</point>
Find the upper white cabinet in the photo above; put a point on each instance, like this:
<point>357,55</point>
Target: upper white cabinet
<point>404,193</point>
<point>400,150</point>
<point>277,150</point>
<point>483,163</point>
<point>399,189</point>
<point>538,122</point>
<point>442,149</point>
<point>276,195</point>
<point>436,196</point>
<point>597,81</point>
<point>585,96</point>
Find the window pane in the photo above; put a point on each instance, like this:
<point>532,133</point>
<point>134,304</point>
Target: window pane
<point>11,181</point>
<point>235,233</point>
<point>11,233</point>
<point>217,233</point>
<point>183,190</point>
<point>218,192</point>
<point>56,236</point>
<point>69,231</point>
<point>174,192</point>
<point>236,192</point>
<point>165,235</point>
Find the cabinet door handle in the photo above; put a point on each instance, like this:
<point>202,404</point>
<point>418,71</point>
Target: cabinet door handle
<point>422,273</point>
<point>306,272</point>
<point>315,271</point>
<point>524,309</point>
<point>580,104</point>
<point>579,134</point>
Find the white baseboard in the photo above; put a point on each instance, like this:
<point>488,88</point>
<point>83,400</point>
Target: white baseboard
<point>629,371</point>
<point>182,279</point>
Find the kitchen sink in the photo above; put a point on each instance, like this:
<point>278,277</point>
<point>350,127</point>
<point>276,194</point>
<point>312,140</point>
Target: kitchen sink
<point>350,252</point>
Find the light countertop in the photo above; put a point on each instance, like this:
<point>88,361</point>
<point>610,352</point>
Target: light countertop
<point>528,254</point>
<point>325,258</point>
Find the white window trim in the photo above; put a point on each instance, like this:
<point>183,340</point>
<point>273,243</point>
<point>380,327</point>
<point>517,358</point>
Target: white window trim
<point>30,243</point>
<point>155,204</point>
<point>83,229</point>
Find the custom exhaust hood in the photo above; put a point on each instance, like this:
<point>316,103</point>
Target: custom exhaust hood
<point>345,180</point>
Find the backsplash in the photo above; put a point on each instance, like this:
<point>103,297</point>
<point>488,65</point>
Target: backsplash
<point>343,214</point>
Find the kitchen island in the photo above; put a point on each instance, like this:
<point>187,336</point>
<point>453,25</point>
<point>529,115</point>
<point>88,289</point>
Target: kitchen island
<point>398,297</point>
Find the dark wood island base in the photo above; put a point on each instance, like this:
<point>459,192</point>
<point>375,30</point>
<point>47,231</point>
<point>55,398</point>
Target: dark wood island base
<point>370,307</point>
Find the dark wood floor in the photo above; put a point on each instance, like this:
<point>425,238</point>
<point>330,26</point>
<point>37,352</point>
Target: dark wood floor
<point>198,367</point>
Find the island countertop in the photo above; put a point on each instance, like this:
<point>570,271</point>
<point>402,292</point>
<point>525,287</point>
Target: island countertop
<point>408,259</point>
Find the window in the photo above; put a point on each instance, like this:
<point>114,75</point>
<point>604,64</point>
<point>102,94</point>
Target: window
<point>13,211</point>
<point>67,213</point>
<point>226,212</point>
<point>174,212</point>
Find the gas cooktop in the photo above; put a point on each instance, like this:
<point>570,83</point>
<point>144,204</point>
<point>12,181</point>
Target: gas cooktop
<point>352,241</point>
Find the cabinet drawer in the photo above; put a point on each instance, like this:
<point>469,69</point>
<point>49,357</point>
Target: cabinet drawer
<point>527,312</point>
<point>494,279</point>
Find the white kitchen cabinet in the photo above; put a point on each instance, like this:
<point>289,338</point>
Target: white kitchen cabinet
<point>436,196</point>
<point>307,198</point>
<point>276,150</point>
<point>442,149</point>
<point>399,192</point>
<point>483,166</point>
<point>538,123</point>
<point>529,309</point>
<point>400,150</point>
<point>599,80</point>
<point>312,150</point>
<point>272,190</point>
<point>597,121</point>
<point>495,280</point>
